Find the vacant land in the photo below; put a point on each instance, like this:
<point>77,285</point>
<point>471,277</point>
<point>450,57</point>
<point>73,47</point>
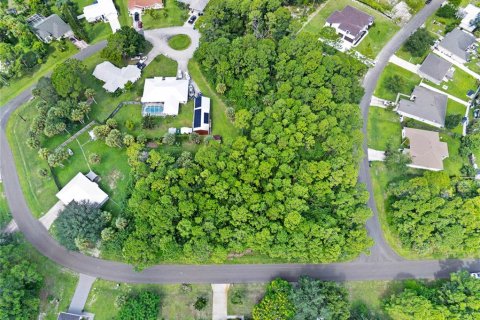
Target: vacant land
<point>407,83</point>
<point>379,34</point>
<point>176,304</point>
<point>383,128</point>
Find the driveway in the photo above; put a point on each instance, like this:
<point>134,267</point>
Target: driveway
<point>81,294</point>
<point>159,39</point>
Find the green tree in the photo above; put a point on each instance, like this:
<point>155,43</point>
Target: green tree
<point>419,42</point>
<point>79,221</point>
<point>201,303</point>
<point>123,44</point>
<point>144,305</point>
<point>114,139</point>
<point>94,158</point>
<point>67,78</point>
<point>276,303</point>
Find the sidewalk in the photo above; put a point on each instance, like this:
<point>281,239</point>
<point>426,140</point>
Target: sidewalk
<point>404,64</point>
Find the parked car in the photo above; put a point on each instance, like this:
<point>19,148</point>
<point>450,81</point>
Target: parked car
<point>179,74</point>
<point>143,59</point>
<point>475,275</point>
<point>192,19</point>
<point>476,113</point>
<point>140,24</point>
<point>141,66</point>
<point>136,16</point>
<point>428,1</point>
<point>464,120</point>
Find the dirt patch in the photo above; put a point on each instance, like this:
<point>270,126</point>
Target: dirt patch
<point>152,145</point>
<point>112,179</point>
<point>239,255</point>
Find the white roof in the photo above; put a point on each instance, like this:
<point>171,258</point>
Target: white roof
<point>186,130</point>
<point>80,188</point>
<point>471,13</point>
<point>114,77</point>
<point>105,8</point>
<point>169,91</point>
<point>201,114</point>
<point>172,130</point>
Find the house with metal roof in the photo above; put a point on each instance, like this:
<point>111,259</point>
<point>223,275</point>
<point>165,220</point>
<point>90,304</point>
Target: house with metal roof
<point>425,149</point>
<point>426,106</point>
<point>103,10</point>
<point>201,115</point>
<point>457,44</point>
<point>79,189</point>
<point>470,13</point>
<point>436,69</point>
<point>116,78</point>
<point>50,28</point>
<point>351,23</point>
<point>162,96</point>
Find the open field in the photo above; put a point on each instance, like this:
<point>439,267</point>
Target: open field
<point>383,128</point>
<point>408,82</point>
<point>175,304</point>
<point>379,34</point>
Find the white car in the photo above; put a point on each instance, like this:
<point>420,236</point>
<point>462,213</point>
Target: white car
<point>475,275</point>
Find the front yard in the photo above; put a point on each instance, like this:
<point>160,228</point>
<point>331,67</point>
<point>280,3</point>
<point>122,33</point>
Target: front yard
<point>383,128</point>
<point>172,15</point>
<point>379,34</point>
<point>408,82</point>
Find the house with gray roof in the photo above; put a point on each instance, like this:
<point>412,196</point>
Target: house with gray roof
<point>426,106</point>
<point>436,69</point>
<point>351,23</point>
<point>50,28</point>
<point>425,149</point>
<point>457,44</point>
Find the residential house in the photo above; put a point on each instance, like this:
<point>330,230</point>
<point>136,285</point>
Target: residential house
<point>103,10</point>
<point>163,96</point>
<point>457,45</point>
<point>351,23</point>
<point>470,13</point>
<point>197,6</point>
<point>141,5</point>
<point>50,28</point>
<point>426,106</point>
<point>425,149</point>
<point>70,316</point>
<point>201,115</point>
<point>116,78</point>
<point>80,188</point>
<point>436,69</point>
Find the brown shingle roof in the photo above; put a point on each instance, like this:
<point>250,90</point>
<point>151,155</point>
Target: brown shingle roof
<point>350,19</point>
<point>426,149</point>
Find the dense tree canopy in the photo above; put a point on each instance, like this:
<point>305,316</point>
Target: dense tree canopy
<point>276,304</point>
<point>67,78</point>
<point>456,299</point>
<point>124,43</point>
<point>19,282</point>
<point>419,42</point>
<point>286,188</point>
<point>433,214</point>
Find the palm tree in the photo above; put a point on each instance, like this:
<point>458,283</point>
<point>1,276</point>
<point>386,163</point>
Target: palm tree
<point>90,94</point>
<point>85,108</point>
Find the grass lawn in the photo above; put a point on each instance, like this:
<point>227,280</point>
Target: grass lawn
<point>172,15</point>
<point>123,16</point>
<point>179,42</point>
<point>405,55</point>
<point>379,34</point>
<point>55,57</point>
<point>252,293</point>
<point>383,128</point>
<point>454,107</point>
<point>175,304</point>
<point>4,209</point>
<point>97,31</point>
<point>410,80</point>
<point>220,123</point>
<point>459,85</point>
<point>454,162</point>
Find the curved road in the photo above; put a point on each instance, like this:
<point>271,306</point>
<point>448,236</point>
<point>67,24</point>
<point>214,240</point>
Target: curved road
<point>383,263</point>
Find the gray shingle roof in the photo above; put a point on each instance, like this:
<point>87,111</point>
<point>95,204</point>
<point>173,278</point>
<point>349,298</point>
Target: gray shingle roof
<point>53,26</point>
<point>457,42</point>
<point>350,19</point>
<point>428,105</point>
<point>68,316</point>
<point>435,67</point>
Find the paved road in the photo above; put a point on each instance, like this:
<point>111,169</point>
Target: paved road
<point>381,264</point>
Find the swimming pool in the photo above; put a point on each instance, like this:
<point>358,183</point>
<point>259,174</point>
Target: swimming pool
<point>153,110</point>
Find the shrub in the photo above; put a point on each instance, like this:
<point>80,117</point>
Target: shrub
<point>195,138</point>
<point>169,139</point>
<point>201,303</point>
<point>130,125</point>
<point>94,158</point>
<point>453,120</point>
<point>448,11</point>
<point>237,297</point>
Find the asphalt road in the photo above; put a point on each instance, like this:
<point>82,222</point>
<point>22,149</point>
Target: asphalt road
<point>381,264</point>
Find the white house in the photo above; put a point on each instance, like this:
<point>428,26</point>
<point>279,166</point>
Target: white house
<point>116,78</point>
<point>163,96</point>
<point>351,23</point>
<point>201,115</point>
<point>103,10</point>
<point>470,12</point>
<point>80,188</point>
<point>426,150</point>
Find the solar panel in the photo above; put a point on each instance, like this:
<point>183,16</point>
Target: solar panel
<point>205,117</point>
<point>197,118</point>
<point>198,102</point>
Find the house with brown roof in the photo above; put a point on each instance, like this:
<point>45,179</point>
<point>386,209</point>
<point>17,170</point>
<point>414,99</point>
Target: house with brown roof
<point>141,5</point>
<point>350,23</point>
<point>426,150</point>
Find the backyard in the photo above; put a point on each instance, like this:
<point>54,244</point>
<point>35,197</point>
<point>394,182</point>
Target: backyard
<point>379,34</point>
<point>408,81</point>
<point>455,108</point>
<point>383,128</point>
<point>461,83</point>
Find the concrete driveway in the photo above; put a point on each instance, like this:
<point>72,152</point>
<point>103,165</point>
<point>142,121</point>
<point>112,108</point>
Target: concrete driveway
<point>159,39</point>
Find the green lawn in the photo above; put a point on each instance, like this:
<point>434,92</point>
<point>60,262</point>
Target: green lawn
<point>172,15</point>
<point>383,128</point>
<point>5,216</point>
<point>179,42</point>
<point>409,81</point>
<point>175,304</point>
<point>97,31</point>
<point>454,162</point>
<point>123,16</point>
<point>459,85</point>
<point>454,107</point>
<point>406,55</point>
<point>379,34</point>
<point>220,123</point>
<point>16,86</point>
<point>252,293</point>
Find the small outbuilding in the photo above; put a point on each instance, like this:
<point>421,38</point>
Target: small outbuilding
<point>436,69</point>
<point>201,115</point>
<point>116,78</point>
<point>81,188</point>
<point>426,150</point>
<point>426,106</point>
